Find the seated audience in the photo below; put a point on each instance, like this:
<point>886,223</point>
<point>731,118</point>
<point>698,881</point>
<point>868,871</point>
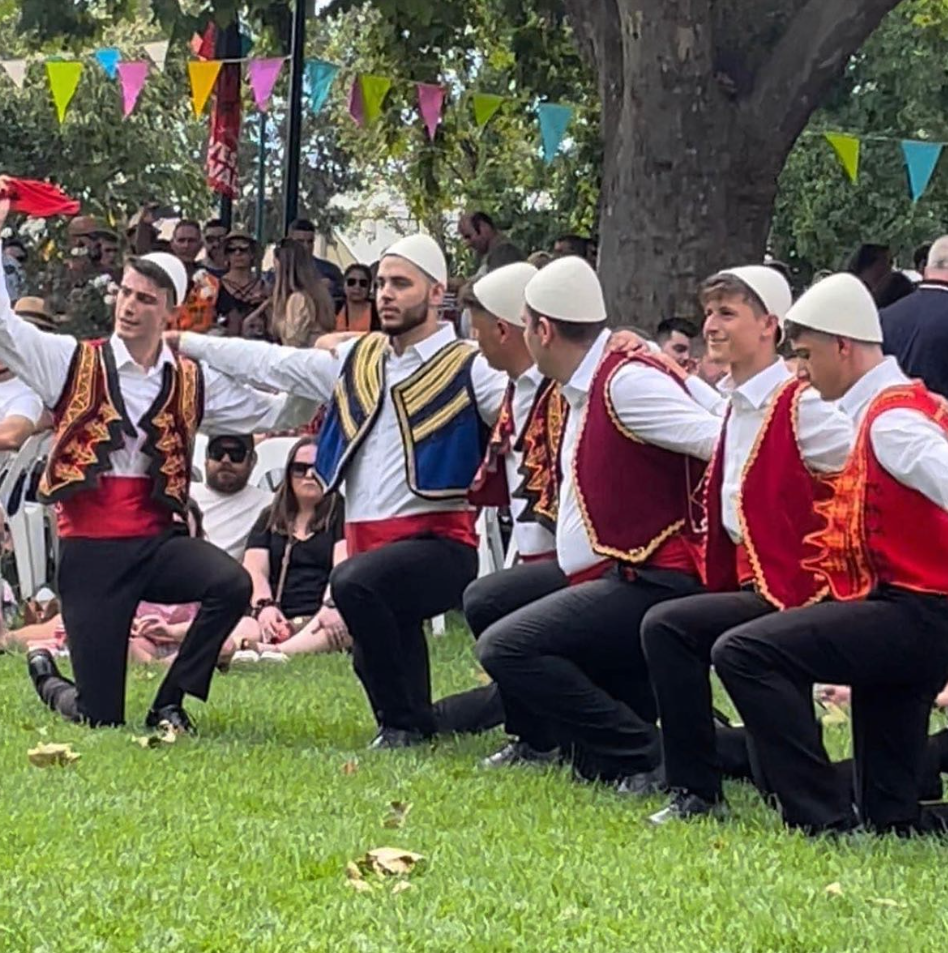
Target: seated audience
<point>242,290</point>
<point>358,313</point>
<point>303,231</point>
<point>301,307</point>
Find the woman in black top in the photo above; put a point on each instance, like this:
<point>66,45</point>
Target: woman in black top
<point>290,554</point>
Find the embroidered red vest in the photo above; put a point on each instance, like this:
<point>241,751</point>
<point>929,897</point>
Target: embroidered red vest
<point>874,529</point>
<point>775,510</point>
<point>636,498</point>
<point>91,423</point>
<point>490,482</point>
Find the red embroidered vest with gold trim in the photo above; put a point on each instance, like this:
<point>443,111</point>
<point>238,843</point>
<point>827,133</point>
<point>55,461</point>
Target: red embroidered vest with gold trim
<point>876,530</point>
<point>775,510</point>
<point>640,503</point>
<point>490,482</point>
<point>91,424</point>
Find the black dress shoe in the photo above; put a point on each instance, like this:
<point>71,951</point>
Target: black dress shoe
<point>41,665</point>
<point>685,805</point>
<point>175,715</point>
<point>388,739</point>
<point>517,753</point>
<point>644,784</point>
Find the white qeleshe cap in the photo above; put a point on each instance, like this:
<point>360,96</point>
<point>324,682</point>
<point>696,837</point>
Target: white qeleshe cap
<point>174,269</point>
<point>423,252</point>
<point>501,291</point>
<point>567,290</point>
<point>840,305</point>
<point>768,284</point>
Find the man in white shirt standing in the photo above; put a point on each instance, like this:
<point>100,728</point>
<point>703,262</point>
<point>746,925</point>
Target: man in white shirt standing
<point>883,552</point>
<point>125,413</point>
<point>627,535</point>
<point>405,431</point>
<point>229,506</point>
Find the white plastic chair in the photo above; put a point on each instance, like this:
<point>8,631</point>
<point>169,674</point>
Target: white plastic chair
<point>490,543</point>
<point>271,456</point>
<point>200,455</point>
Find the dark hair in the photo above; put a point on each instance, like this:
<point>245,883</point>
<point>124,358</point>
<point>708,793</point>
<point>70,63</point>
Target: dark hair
<point>467,298</point>
<point>726,285</point>
<point>792,330</point>
<point>920,256</point>
<point>576,332</point>
<point>281,514</point>
<point>892,288</point>
<point>782,268</point>
<point>482,218</point>
<point>668,326</point>
<point>866,256</point>
<point>15,243</point>
<point>187,223</point>
<point>576,243</point>
<point>358,266</point>
<point>156,274</point>
<point>214,223</point>
<point>301,225</point>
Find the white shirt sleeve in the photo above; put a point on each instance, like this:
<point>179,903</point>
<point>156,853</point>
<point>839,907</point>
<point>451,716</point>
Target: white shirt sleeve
<point>712,400</point>
<point>231,407</point>
<point>24,403</point>
<point>914,450</point>
<point>825,433</point>
<point>38,358</point>
<point>657,410</point>
<point>489,388</point>
<point>307,372</point>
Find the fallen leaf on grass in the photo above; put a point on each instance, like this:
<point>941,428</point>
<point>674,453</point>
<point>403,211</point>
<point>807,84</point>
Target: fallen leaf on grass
<point>401,886</point>
<point>46,756</point>
<point>351,767</point>
<point>390,861</point>
<point>885,902</point>
<point>360,886</point>
<point>166,735</point>
<point>399,810</point>
<point>834,889</point>
<point>482,677</point>
<point>834,715</point>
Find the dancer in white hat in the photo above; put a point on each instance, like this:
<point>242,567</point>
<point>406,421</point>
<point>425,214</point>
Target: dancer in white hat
<point>759,496</point>
<point>125,413</point>
<point>632,457</point>
<point>882,550</point>
<point>408,411</point>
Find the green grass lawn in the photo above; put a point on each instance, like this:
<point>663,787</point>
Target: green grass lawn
<point>239,840</point>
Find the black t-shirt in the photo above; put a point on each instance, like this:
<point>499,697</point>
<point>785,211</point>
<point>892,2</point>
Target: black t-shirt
<point>310,562</point>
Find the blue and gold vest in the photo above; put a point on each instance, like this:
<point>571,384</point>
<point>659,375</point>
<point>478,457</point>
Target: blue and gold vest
<point>442,432</point>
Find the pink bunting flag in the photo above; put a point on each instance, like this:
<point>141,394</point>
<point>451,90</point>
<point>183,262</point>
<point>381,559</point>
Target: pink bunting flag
<point>431,102</point>
<point>132,76</point>
<point>356,102</point>
<point>263,75</point>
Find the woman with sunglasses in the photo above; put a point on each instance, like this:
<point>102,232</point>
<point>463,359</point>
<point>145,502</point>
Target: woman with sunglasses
<point>302,307</point>
<point>290,554</point>
<point>242,290</point>
<point>358,313</point>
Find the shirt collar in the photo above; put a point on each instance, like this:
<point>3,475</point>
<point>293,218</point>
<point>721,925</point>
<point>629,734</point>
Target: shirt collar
<point>758,389</point>
<point>124,359</point>
<point>579,384</point>
<point>531,375</point>
<point>430,346</point>
<point>855,401</point>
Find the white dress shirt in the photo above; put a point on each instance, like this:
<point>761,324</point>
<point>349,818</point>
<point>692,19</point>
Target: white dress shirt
<point>650,405</point>
<point>376,480</point>
<point>17,400</point>
<point>531,538</point>
<point>909,446</point>
<point>228,518</point>
<point>41,360</point>
<point>824,432</point>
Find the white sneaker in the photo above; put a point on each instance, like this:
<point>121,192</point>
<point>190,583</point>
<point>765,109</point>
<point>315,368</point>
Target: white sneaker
<point>273,656</point>
<point>244,657</point>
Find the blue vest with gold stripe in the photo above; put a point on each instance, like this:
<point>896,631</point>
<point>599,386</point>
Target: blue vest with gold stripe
<point>442,432</point>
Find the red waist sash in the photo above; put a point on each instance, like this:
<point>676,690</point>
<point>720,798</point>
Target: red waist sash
<point>119,508</point>
<point>367,535</point>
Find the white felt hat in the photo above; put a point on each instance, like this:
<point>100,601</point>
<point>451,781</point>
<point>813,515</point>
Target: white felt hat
<point>174,269</point>
<point>501,291</point>
<point>839,305</point>
<point>424,253</point>
<point>768,284</point>
<point>568,290</point>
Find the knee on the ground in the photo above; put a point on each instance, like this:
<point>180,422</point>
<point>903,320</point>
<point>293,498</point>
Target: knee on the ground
<point>478,608</point>
<point>730,655</point>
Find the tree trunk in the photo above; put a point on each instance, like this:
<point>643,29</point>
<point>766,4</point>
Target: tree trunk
<point>696,127</point>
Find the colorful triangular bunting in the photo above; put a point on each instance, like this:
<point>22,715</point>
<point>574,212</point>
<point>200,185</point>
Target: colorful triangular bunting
<point>63,78</point>
<point>847,151</point>
<point>485,105</point>
<point>263,75</point>
<point>132,76</point>
<point>109,59</point>
<point>356,104</point>
<point>920,161</point>
<point>157,52</point>
<point>554,120</point>
<point>374,91</point>
<point>203,75</point>
<point>430,104</point>
<point>16,70</point>
<point>318,80</point>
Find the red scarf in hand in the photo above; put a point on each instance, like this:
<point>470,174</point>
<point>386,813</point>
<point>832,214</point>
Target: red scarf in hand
<point>39,199</point>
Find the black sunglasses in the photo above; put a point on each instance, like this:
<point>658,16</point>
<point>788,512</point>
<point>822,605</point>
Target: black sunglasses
<point>356,283</point>
<point>19,258</point>
<point>302,469</point>
<point>232,249</point>
<point>236,454</point>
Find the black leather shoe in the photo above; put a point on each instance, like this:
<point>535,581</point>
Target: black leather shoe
<point>41,665</point>
<point>644,784</point>
<point>175,715</point>
<point>388,739</point>
<point>684,806</point>
<point>520,753</point>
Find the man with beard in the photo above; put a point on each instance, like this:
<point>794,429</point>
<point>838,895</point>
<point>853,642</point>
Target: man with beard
<point>406,431</point>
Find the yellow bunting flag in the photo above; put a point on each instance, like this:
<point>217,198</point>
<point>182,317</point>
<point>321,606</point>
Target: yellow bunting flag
<point>374,91</point>
<point>847,150</point>
<point>204,75</point>
<point>485,105</point>
<point>63,79</point>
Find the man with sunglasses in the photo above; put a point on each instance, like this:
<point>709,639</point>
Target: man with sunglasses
<point>230,506</point>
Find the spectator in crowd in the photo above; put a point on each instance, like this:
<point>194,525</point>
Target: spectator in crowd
<point>229,505</point>
<point>571,245</point>
<point>242,290</point>
<point>919,261</point>
<point>291,552</point>
<point>109,259</point>
<point>490,245</point>
<point>358,312</point>
<point>674,337</point>
<point>915,329</point>
<point>186,243</point>
<point>894,287</point>
<point>141,232</point>
<point>539,259</point>
<point>712,370</point>
<point>198,311</point>
<point>215,232</point>
<point>871,264</point>
<point>76,289</point>
<point>14,267</point>
<point>304,232</point>
<point>302,307</point>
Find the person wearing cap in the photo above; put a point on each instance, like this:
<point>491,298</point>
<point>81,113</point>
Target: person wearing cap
<point>882,550</point>
<point>632,457</point>
<point>243,292</point>
<point>531,411</point>
<point>760,491</point>
<point>405,430</point>
<point>198,311</point>
<point>126,411</point>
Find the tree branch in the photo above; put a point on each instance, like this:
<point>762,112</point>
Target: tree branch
<point>810,54</point>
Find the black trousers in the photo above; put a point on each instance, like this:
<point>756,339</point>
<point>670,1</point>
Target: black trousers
<point>385,596</point>
<point>101,582</point>
<point>893,650</point>
<point>486,601</point>
<point>573,660</point>
<point>677,638</point>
